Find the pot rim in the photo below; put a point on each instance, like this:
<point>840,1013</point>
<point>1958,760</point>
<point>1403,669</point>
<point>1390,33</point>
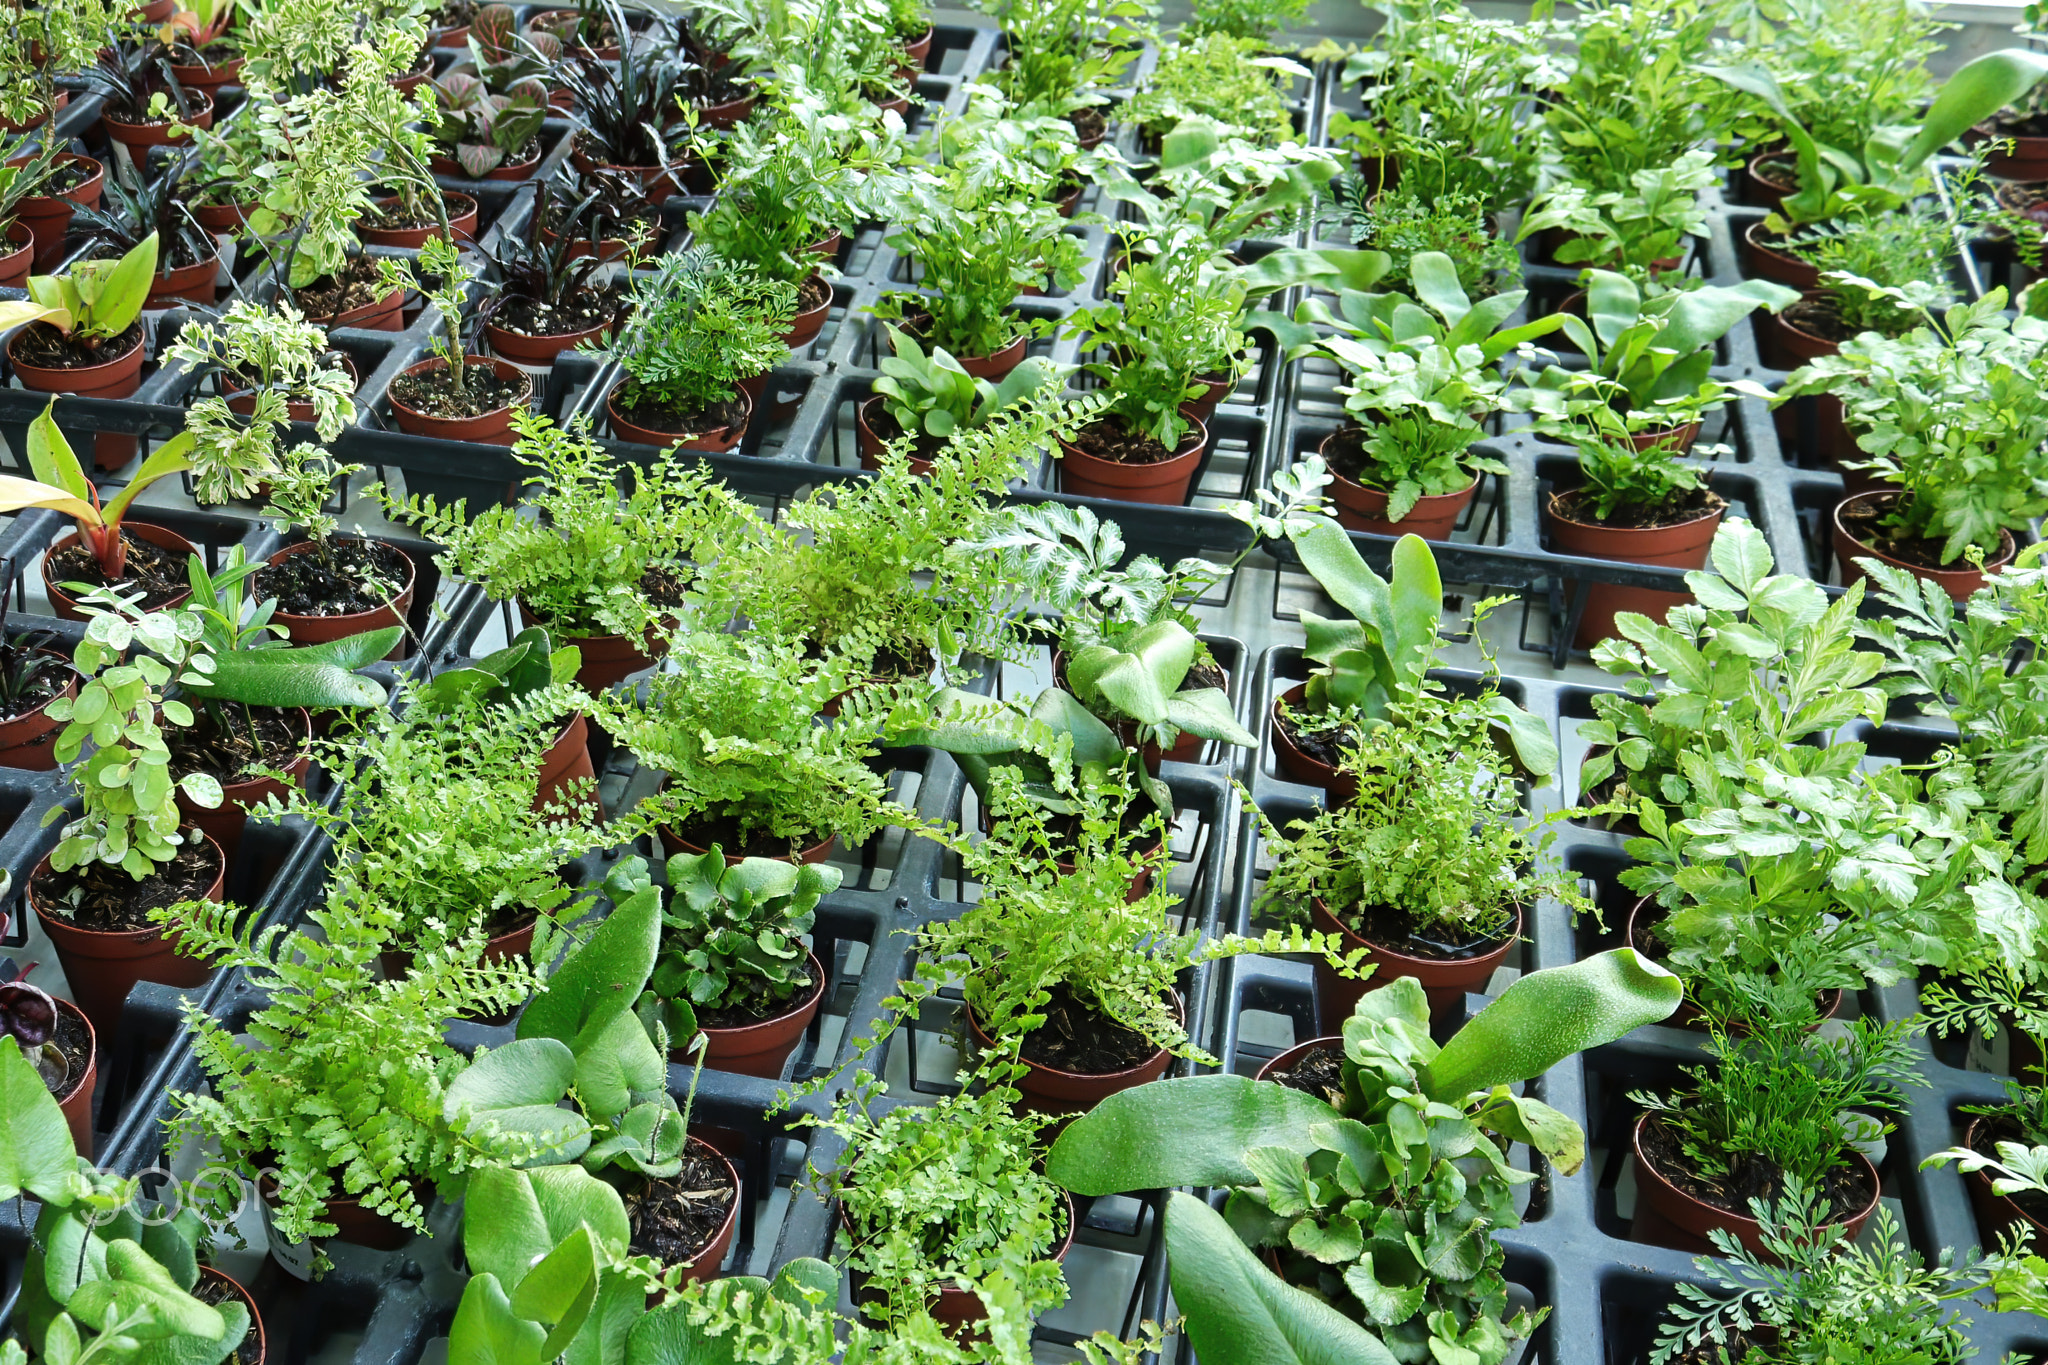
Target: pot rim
<point>2008,543</point>
<point>301,546</point>
<point>497,367</point>
<point>1151,1060</point>
<point>1740,1223</point>
<point>1550,509</point>
<point>135,936</point>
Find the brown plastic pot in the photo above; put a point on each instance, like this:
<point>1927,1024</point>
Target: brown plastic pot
<point>1761,262</point>
<point>116,378</point>
<point>208,79</point>
<point>353,1223</point>
<point>1687,1221</point>
<point>1830,440</point>
<point>726,113</point>
<point>49,215</point>
<point>384,315</point>
<point>456,37</point>
<point>1292,1058</point>
<point>1759,189</point>
<point>871,445</point>
<point>673,844</point>
<point>704,1266</point>
<point>1996,1213</point>
<point>805,326</point>
<point>956,1310</point>
<point>535,350</point>
<point>607,659</point>
<point>658,183</point>
<point>506,947</point>
<point>415,78</point>
<point>1296,765</point>
<point>19,257</point>
<point>996,367</point>
<point>222,220</point>
<point>507,170</point>
<point>1957,583</point>
<point>916,52</point>
<point>186,283</point>
<point>65,607</point>
<point>764,1049</point>
<point>2012,157</point>
<point>1187,747</point>
<point>489,428</point>
<point>1052,1091</point>
<point>1681,546</point>
<point>76,1101</point>
<point>1165,483</point>
<point>9,126</point>
<point>139,135</point>
<point>243,401</point>
<point>207,1272</point>
<point>1203,405</point>
<point>1365,509</point>
<point>462,218</point>
<point>316,630</point>
<point>28,743</point>
<point>567,761</point>
<point>715,441</point>
<point>1444,981</point>
<point>1640,937</point>
<point>224,823</point>
<point>103,965</point>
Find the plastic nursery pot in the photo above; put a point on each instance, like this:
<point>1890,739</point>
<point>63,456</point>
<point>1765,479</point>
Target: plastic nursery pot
<point>715,441</point>
<point>1295,1055</point>
<point>1812,425</point>
<point>916,52</point>
<point>607,659</point>
<point>133,135</point>
<point>119,377</point>
<point>673,843</point>
<point>207,1272</point>
<point>1768,178</point>
<point>805,326</point>
<point>1164,483</point>
<point>224,824</point>
<point>995,367</point>
<point>75,1100</point>
<point>456,37</point>
<point>658,183</point>
<point>243,401</point>
<point>567,761</point>
<point>726,113</point>
<point>2012,157</point>
<point>223,220</point>
<point>49,215</point>
<point>956,1310</point>
<point>510,170</point>
<point>316,630</point>
<point>462,218</point>
<point>535,350</point>
<point>28,742</point>
<point>1365,509</point>
<point>1203,405</point>
<point>1186,749</point>
<point>764,1049</point>
<point>186,284</point>
<point>1444,980</point>
<point>9,126</point>
<point>353,1223</point>
<point>871,445</point>
<point>382,315</point>
<point>490,428</point>
<point>18,256</point>
<point>704,1265</point>
<point>65,607</point>
<point>415,78</point>
<point>1676,1219</point>
<point>1050,1090</point>
<point>506,947</point>
<point>1958,583</point>
<point>1683,545</point>
<point>1995,1212</point>
<point>1764,262</point>
<point>102,965</point>
<point>208,79</point>
<point>155,12</point>
<point>1297,764</point>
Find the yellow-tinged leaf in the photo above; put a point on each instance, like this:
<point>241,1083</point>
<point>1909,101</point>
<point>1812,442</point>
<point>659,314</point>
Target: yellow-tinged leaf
<point>17,493</point>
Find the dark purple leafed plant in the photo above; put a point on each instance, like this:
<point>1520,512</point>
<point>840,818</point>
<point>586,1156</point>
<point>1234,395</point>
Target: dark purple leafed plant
<point>28,1014</point>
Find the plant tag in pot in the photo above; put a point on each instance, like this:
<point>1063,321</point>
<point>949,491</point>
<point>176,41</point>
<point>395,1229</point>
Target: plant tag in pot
<point>295,1257</point>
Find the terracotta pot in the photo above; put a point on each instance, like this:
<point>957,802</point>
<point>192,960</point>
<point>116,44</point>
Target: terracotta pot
<point>726,113</point>
<point>208,80</point>
<point>489,428</point>
<point>995,368</point>
<point>116,378</point>
<point>506,947</point>
<point>224,824</point>
<point>353,1223</point>
<point>657,182</point>
<point>567,761</point>
<point>133,135</point>
<point>1365,509</point>
<point>462,217</point>
<point>706,1264</point>
<point>1691,1219</point>
<point>415,78</point>
<point>243,401</point>
<point>207,1272</point>
<point>385,315</point>
<point>764,1049</point>
<point>1682,546</point>
<point>76,1101</point>
<point>957,1310</point>
<point>828,245</point>
<point>871,445</point>
<point>28,743</point>
<point>1996,1213</point>
<point>186,283</point>
<point>1445,981</point>
<point>315,630</point>
<point>1052,1091</point>
<point>1292,1058</point>
<point>155,12</point>
<point>1163,484</point>
<point>899,104</point>
<point>1958,583</point>
<point>1829,441</point>
<point>1203,406</point>
<point>917,52</point>
<point>9,126</point>
<point>19,258</point>
<point>716,441</point>
<point>673,844</point>
<point>1187,748</point>
<point>48,216</point>
<point>65,607</point>
<point>1758,190</point>
<point>533,350</point>
<point>1296,765</point>
<point>1761,262</point>
<point>506,170</point>
<point>805,326</point>
<point>456,37</point>
<point>607,659</point>
<point>103,965</point>
<point>222,220</point>
<point>2014,157</point>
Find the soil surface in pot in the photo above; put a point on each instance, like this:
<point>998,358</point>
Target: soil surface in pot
<point>1577,506</point>
<point>2005,1127</point>
<point>665,417</point>
<point>433,392</point>
<point>356,286</point>
<point>887,428</point>
<point>111,901</point>
<point>65,177</point>
<point>674,1219</point>
<point>214,1293</point>
<point>160,573</point>
<point>1108,439</point>
<point>49,349</point>
<point>453,14</point>
<point>1089,122</point>
<point>1324,746</point>
<point>1780,173</point>
<point>2030,125</point>
<point>398,218</point>
<point>531,317</point>
<point>1845,1189</point>
<point>812,293</point>
<point>1391,928</point>
<point>305,587</point>
<point>1819,317</point>
<point>721,85</point>
<point>179,255</point>
<point>1860,519</point>
<point>1346,454</point>
<point>43,689</point>
<point>1078,1037</point>
<point>74,1040</point>
<point>227,749</point>
<point>724,831</point>
<point>750,1012</point>
<point>1063,832</point>
<point>2028,201</point>
<point>661,585</point>
<point>1320,1071</point>
<point>219,52</point>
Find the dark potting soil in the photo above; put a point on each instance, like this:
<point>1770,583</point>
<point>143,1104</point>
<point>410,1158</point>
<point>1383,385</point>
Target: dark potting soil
<point>398,218</point>
<point>47,348</point>
<point>533,318</point>
<point>1079,1038</point>
<point>68,176</point>
<point>2030,125</point>
<point>1088,122</point>
<point>675,421</point>
<point>1780,173</point>
<point>724,831</point>
<point>227,750</point>
<point>219,52</point>
<point>708,85</point>
<point>1346,454</point>
<point>812,293</point>
<point>1319,1072</point>
<point>2005,1126</point>
<point>365,576</point>
<point>356,286</point>
<point>1819,317</point>
<point>74,1040</point>
<point>106,898</point>
<point>235,381</point>
<point>754,1011</point>
<point>675,1219</point>
<point>1860,519</point>
<point>1107,439</point>
<point>1068,183</point>
<point>43,689</point>
<point>887,428</point>
<point>1324,746</point>
<point>1846,1189</point>
<point>663,586</point>
<point>215,1292</point>
<point>1393,929</point>
<point>623,214</point>
<point>2028,201</point>
<point>432,392</point>
<point>453,14</point>
<point>158,572</point>
<point>1686,507</point>
<point>178,255</point>
<point>1734,1351</point>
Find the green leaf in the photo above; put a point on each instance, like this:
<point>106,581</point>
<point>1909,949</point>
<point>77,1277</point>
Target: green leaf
<point>516,1089</point>
<point>1978,89</point>
<point>487,1332</point>
<point>136,1286</point>
<point>1205,711</point>
<point>1521,1119</point>
<point>1742,555</point>
<point>50,457</point>
<point>560,1290</point>
<point>316,676</point>
<point>511,1217</point>
<point>172,457</point>
<point>1195,1130</point>
<point>35,1142</point>
<point>604,977</point>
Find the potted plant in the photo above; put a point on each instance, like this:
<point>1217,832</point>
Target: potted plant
<point>1402,1097</point>
<point>32,675</point>
<point>1426,865</point>
<point>600,213</point>
<point>2001,1154</point>
<point>43,44</point>
<point>328,587</point>
<point>488,134</point>
<point>1059,54</point>
<point>59,1044</point>
<point>1632,413</point>
<point>927,398</point>
<point>700,328</point>
<point>623,105</point>
<point>25,183</point>
<point>546,300</point>
<point>1639,232</point>
<point>1403,223</point>
<point>1950,417</point>
<point>530,677</point>
<point>454,395</point>
<point>1216,76</point>
<point>141,107</point>
<point>274,369</point>
<point>131,210</point>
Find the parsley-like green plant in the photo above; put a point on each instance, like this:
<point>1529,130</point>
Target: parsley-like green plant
<point>1907,249</point>
<point>1219,77</point>
<point>1060,52</point>
<point>1259,19</point>
<point>1404,223</point>
<point>1628,230</point>
<point>699,324</point>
